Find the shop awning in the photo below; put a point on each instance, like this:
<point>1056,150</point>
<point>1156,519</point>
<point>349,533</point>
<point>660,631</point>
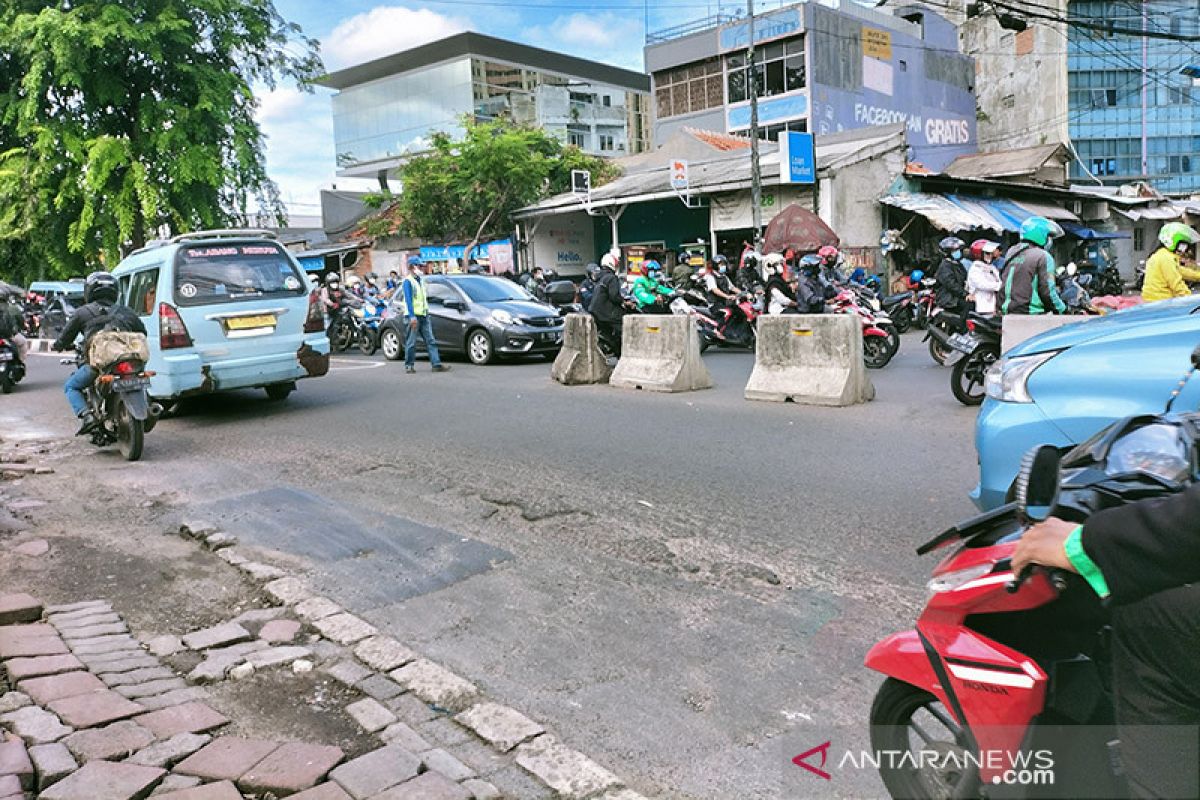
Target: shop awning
<point>1084,232</point>
<point>942,212</point>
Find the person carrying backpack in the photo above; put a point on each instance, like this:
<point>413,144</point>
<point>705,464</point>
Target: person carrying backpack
<point>1029,286</point>
<point>100,312</point>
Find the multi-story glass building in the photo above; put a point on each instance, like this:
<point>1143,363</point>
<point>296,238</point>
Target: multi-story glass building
<point>823,67</point>
<point>1134,114</point>
<point>385,109</point>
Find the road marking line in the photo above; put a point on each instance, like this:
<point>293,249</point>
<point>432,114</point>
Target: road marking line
<point>354,364</point>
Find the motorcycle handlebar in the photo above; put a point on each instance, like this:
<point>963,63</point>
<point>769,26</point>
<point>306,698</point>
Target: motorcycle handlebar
<point>1058,578</point>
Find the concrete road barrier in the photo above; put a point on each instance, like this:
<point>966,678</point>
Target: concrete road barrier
<point>814,359</point>
<point>660,353</point>
<point>1019,327</point>
<point>580,360</point>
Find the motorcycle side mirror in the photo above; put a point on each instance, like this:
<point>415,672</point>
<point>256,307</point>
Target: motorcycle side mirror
<point>1037,483</point>
<point>1072,268</point>
<point>1196,357</point>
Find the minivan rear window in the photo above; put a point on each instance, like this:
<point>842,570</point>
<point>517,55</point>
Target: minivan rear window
<point>230,273</point>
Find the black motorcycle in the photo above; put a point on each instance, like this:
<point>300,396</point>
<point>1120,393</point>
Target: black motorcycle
<point>1102,282</point>
<point>12,368</point>
<point>941,326</point>
<point>119,401</point>
<point>980,348</point>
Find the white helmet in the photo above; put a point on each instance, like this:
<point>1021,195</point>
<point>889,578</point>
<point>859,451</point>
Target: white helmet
<point>353,280</point>
<point>609,261</point>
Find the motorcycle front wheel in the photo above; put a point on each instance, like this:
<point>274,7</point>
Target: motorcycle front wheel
<point>966,381</point>
<point>343,337</point>
<point>943,354</point>
<point>131,434</point>
<point>368,341</point>
<point>903,318</point>
<point>906,719</point>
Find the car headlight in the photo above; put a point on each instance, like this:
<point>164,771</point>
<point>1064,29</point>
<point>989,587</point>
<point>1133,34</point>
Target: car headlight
<point>949,581</point>
<point>503,317</point>
<point>1008,379</point>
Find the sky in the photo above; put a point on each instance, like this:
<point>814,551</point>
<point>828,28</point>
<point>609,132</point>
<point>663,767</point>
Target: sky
<point>299,125</point>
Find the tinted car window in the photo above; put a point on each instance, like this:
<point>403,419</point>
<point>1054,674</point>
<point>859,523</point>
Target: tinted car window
<point>439,293</point>
<point>492,290</point>
<point>228,273</point>
<point>143,290</point>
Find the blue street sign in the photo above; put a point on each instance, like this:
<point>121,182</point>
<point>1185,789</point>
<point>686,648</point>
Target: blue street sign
<point>797,159</point>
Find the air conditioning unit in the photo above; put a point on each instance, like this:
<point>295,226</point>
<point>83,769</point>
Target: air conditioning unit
<point>1075,206</point>
<point>1095,210</point>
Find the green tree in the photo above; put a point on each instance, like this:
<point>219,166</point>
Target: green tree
<point>118,119</point>
<point>465,189</point>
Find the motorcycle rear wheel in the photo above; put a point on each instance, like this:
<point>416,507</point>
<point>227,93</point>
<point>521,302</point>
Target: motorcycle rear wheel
<point>6,384</point>
<point>966,381</point>
<point>901,713</point>
<point>131,434</point>
<point>944,355</point>
<point>877,352</point>
<point>343,337</point>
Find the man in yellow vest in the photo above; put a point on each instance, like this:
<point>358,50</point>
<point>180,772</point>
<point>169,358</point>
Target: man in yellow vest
<point>1165,273</point>
<point>416,316</point>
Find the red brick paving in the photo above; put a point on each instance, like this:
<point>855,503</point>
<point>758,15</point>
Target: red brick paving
<point>326,791</point>
<point>210,791</point>
<point>227,758</point>
<point>291,768</point>
<point>55,687</point>
<point>21,668</point>
<point>96,708</point>
<point>19,607</point>
<point>194,717</point>
<point>105,780</point>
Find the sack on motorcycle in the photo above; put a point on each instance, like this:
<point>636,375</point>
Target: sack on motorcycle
<point>108,347</point>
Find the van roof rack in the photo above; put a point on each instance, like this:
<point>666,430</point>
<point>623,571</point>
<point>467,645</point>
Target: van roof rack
<point>225,233</point>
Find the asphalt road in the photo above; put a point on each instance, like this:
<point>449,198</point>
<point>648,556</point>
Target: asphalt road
<point>681,586</point>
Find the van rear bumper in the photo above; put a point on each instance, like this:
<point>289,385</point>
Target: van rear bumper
<point>187,374</point>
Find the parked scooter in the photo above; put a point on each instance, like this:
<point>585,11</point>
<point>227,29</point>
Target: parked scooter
<point>980,348</point>
<point>941,326</point>
<point>12,368</point>
<point>1002,666</point>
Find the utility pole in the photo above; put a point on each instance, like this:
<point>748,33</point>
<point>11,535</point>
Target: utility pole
<point>755,167</point>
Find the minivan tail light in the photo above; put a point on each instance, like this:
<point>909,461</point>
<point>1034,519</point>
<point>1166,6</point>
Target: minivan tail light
<point>172,333</point>
<point>314,322</point>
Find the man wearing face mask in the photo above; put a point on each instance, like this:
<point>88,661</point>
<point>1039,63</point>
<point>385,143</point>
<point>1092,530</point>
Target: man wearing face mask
<point>951,277</point>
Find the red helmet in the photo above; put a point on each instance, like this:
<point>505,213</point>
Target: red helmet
<point>981,246</point>
<point>828,253</point>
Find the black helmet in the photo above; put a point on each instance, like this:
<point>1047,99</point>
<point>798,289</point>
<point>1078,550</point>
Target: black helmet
<point>100,286</point>
<point>593,270</point>
<point>950,244</point>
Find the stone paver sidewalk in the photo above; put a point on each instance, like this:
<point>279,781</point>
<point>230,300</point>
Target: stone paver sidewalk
<point>94,714</point>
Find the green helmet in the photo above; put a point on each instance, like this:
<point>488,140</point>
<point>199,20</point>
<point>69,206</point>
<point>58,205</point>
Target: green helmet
<point>1174,234</point>
<point>1040,230</point>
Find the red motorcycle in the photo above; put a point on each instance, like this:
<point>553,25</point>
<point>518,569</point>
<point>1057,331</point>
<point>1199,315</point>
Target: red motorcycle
<point>1005,678</point>
<point>880,342</point>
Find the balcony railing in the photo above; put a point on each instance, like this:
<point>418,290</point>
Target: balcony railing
<point>688,28</point>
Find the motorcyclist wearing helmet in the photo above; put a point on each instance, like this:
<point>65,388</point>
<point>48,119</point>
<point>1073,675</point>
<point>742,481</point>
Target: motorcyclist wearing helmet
<point>1166,276</point>
<point>811,289</point>
<point>717,285</point>
<point>749,272</point>
<point>1028,278</point>
<point>983,279</point>
<point>99,311</point>
<point>682,272</point>
<point>831,265</point>
<point>333,298</point>
<point>951,277</point>
<point>781,294</point>
<point>649,292</point>
<point>587,287</point>
<point>914,280</point>
<point>608,304</point>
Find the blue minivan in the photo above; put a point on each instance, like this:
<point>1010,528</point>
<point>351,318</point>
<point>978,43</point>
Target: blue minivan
<point>225,309</point>
<point>1062,386</point>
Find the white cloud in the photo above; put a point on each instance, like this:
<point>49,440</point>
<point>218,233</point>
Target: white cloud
<point>606,37</point>
<point>385,30</point>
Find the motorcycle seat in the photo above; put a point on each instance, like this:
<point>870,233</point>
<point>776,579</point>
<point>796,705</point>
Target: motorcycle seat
<point>985,320</point>
<point>896,298</point>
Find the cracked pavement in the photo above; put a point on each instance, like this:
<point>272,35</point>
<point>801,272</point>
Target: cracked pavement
<point>675,583</point>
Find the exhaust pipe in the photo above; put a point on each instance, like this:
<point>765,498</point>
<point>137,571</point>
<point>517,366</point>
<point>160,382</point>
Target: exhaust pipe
<point>155,411</point>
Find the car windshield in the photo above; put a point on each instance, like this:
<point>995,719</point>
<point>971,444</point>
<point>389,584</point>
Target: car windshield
<point>225,273</point>
<point>492,290</point>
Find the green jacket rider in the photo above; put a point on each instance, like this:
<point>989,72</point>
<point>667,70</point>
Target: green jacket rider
<point>648,288</point>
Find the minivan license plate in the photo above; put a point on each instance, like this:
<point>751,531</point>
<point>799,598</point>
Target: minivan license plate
<point>249,323</point>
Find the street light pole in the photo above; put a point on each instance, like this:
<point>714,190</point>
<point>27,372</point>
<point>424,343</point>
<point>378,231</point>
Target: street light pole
<point>755,167</point>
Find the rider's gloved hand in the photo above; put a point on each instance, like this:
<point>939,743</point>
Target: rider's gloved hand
<point>1045,544</point>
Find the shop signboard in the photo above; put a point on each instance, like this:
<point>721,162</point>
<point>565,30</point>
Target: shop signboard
<point>797,158</point>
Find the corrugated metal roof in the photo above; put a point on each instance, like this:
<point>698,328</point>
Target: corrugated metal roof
<point>1048,211</point>
<point>943,212</point>
<point>1162,212</point>
<point>1006,163</point>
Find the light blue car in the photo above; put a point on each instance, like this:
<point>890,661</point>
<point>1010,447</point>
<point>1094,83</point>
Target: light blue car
<point>226,309</point>
<point>1062,386</point>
